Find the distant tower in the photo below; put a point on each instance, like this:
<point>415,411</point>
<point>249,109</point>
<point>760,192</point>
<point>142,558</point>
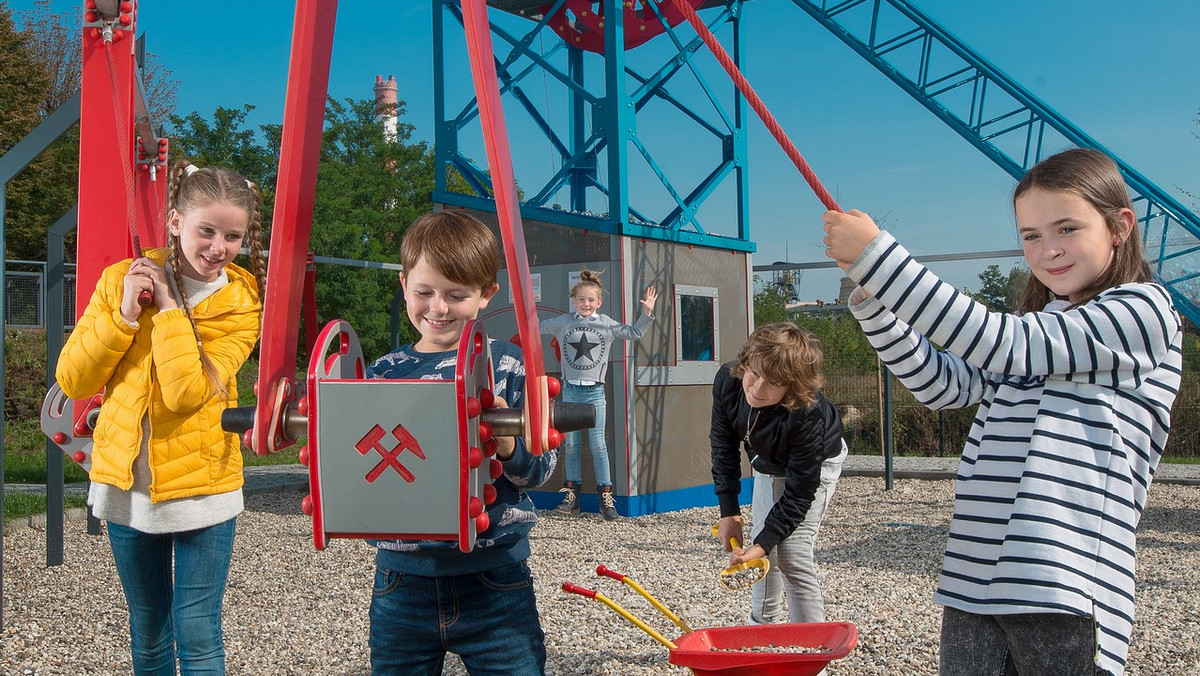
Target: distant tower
<point>385,107</point>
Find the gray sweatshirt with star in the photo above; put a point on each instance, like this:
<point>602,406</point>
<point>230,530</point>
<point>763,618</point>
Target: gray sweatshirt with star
<point>584,342</point>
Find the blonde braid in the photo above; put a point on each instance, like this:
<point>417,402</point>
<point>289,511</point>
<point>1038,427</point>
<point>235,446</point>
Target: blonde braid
<point>179,173</point>
<point>258,262</point>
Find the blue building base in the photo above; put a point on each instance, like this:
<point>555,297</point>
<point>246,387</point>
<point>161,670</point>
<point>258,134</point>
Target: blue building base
<point>650,503</point>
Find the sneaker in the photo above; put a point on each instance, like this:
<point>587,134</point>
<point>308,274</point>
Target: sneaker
<point>570,501</point>
<point>608,507</point>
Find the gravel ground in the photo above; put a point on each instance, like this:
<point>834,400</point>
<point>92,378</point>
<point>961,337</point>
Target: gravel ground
<point>293,610</point>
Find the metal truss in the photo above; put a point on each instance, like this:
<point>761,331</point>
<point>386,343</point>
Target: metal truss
<point>1004,120</point>
<point>600,137</point>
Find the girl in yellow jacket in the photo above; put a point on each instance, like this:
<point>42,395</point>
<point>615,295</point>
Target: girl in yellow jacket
<point>165,476</point>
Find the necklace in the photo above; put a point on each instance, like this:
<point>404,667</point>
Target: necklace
<point>751,422</point>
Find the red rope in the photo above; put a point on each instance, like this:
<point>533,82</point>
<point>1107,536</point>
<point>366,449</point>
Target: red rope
<point>759,107</point>
<point>145,297</point>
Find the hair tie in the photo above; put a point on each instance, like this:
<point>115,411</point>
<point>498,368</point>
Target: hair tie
<point>190,169</point>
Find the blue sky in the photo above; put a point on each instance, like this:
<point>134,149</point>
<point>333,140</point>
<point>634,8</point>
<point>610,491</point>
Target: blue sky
<point>1128,74</point>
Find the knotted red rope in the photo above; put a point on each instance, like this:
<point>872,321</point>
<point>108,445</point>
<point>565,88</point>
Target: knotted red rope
<point>759,107</point>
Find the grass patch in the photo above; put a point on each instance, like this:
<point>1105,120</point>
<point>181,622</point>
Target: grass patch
<point>26,504</point>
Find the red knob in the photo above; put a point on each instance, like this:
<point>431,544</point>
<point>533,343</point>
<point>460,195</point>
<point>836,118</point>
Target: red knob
<point>126,7</point>
<point>248,438</point>
<point>489,447</point>
<point>306,505</point>
<point>79,457</point>
<point>489,494</point>
<point>482,523</point>
<point>473,407</point>
<point>474,507</point>
<point>302,406</point>
<point>487,398</point>
<point>303,456</point>
<point>485,431</point>
<point>89,4</point>
<point>495,469</point>
<point>125,19</point>
<point>474,457</point>
<point>553,438</point>
<point>89,17</point>
<point>553,386</point>
<point>60,438</point>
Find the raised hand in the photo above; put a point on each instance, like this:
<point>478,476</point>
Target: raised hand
<point>650,299</point>
<point>847,235</point>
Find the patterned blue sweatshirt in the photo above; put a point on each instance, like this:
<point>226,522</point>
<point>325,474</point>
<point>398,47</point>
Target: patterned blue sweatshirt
<point>512,514</point>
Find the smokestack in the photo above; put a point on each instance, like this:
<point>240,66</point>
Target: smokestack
<point>385,107</point>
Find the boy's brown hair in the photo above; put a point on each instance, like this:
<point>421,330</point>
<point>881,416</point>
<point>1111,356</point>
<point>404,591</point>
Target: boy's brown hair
<point>784,354</point>
<point>456,244</point>
<point>1094,177</point>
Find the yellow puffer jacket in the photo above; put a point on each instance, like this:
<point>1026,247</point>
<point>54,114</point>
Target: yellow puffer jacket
<point>156,368</point>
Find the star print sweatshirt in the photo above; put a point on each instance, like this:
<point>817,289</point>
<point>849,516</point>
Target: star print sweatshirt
<point>585,342</point>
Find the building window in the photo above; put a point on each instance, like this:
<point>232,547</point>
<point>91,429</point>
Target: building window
<point>696,324</point>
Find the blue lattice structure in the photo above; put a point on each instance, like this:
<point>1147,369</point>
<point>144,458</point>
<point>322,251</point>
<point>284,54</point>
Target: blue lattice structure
<point>1003,120</point>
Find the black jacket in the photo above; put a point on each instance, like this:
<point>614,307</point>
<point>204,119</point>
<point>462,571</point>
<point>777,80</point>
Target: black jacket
<point>791,444</point>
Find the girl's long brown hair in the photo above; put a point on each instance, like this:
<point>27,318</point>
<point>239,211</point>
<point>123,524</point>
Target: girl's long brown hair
<point>1094,177</point>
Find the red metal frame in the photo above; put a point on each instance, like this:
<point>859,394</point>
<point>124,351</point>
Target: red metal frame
<point>300,150</point>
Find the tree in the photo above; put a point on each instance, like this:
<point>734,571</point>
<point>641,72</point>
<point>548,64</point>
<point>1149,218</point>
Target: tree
<point>770,304</point>
<point>22,81</point>
<point>55,41</point>
<point>1001,293</point>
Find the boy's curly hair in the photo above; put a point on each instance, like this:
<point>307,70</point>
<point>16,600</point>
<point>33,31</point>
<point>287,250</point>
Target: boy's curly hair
<point>784,354</point>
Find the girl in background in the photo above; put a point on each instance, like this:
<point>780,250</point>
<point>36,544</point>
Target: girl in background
<point>585,338</point>
<point>165,477</point>
<point>1074,394</point>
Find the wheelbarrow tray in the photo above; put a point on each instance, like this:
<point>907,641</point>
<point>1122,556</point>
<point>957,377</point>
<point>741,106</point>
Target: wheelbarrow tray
<point>722,651</point>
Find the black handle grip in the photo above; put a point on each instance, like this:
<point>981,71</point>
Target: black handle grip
<point>566,417</point>
<point>237,420</point>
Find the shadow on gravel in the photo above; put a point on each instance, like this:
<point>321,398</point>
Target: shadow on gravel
<point>904,547</point>
<point>282,503</point>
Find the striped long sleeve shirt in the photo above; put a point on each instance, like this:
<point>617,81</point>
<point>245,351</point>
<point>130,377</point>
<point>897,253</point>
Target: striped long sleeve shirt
<point>1074,412</point>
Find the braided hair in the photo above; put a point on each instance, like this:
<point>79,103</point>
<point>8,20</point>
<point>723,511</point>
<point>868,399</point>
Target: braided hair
<point>191,187</point>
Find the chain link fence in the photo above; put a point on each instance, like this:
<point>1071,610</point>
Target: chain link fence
<point>856,386</point>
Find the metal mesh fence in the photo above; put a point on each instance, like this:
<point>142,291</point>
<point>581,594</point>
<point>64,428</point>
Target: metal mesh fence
<point>24,296</point>
<point>856,386</point>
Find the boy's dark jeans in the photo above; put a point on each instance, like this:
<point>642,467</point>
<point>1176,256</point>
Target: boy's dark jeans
<point>489,619</point>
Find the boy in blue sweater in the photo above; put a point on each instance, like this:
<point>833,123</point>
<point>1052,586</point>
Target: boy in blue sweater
<point>430,598</point>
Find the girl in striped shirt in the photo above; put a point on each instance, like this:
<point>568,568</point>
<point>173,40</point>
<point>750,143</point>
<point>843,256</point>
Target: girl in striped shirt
<point>1074,393</point>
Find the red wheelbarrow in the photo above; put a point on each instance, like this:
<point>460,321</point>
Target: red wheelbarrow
<point>801,649</point>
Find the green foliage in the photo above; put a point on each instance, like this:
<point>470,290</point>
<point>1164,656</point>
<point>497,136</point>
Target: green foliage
<point>770,304</point>
<point>24,373</point>
<point>17,505</point>
<point>999,292</point>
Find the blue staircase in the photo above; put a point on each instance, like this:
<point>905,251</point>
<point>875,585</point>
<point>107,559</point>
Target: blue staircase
<point>1004,121</point>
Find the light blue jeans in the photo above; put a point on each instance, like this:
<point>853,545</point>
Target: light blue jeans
<point>180,609</point>
<point>597,446</point>
<point>793,567</point>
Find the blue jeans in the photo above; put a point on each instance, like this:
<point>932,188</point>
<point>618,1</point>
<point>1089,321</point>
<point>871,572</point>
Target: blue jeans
<point>1031,644</point>
<point>594,395</point>
<point>489,619</point>
<point>180,609</point>
<point>793,571</point>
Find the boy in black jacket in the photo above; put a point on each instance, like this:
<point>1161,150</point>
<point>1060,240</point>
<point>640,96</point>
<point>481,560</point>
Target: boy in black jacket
<point>768,401</point>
